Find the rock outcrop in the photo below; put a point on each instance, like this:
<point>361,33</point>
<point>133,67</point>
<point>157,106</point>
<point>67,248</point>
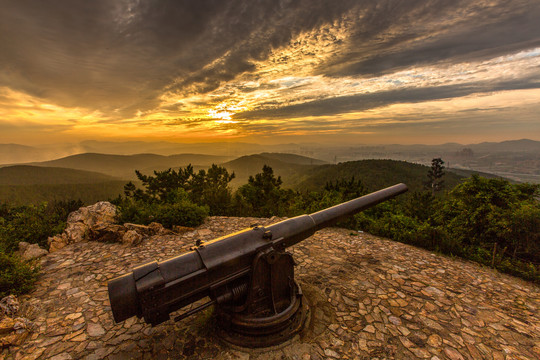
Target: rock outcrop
<point>98,223</point>
<point>31,251</point>
<point>87,223</point>
<point>132,237</point>
<point>14,329</point>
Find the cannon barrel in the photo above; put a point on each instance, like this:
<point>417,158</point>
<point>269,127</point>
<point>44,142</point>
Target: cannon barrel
<point>221,268</point>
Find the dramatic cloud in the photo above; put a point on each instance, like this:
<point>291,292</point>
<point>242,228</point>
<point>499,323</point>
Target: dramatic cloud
<point>345,104</point>
<point>413,33</point>
<point>236,69</point>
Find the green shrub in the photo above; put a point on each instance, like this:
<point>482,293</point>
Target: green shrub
<point>183,213</point>
<point>16,276</point>
<point>33,224</point>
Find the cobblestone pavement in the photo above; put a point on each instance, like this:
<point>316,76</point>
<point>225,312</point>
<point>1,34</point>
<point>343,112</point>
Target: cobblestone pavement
<point>371,298</point>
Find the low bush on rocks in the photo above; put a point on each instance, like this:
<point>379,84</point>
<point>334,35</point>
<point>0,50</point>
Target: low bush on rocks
<point>183,213</point>
<point>16,276</point>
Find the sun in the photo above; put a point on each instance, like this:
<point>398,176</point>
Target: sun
<point>223,113</point>
<point>223,116</point>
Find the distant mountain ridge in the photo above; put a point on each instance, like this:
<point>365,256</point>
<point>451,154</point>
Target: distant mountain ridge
<point>66,180</point>
<point>518,159</point>
<point>523,145</point>
<point>293,158</point>
<point>124,166</point>
<point>13,154</point>
<point>288,166</point>
<point>34,175</point>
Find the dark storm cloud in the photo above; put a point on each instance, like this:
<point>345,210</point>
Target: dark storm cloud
<point>120,56</point>
<point>73,54</point>
<point>409,33</point>
<point>361,102</point>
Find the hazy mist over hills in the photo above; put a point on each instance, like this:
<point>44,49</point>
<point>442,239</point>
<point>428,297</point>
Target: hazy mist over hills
<point>123,166</point>
<point>14,153</point>
<point>518,160</point>
<point>93,177</point>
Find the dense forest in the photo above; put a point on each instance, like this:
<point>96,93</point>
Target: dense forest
<point>25,185</point>
<point>490,221</point>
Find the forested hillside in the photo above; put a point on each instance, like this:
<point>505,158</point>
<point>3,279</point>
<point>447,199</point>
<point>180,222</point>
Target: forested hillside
<point>88,193</point>
<point>24,184</point>
<point>374,174</point>
<point>33,175</point>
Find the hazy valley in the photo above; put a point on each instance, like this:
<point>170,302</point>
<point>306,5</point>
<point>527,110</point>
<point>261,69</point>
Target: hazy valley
<point>93,176</point>
<point>517,160</point>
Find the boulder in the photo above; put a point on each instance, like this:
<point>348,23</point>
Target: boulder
<point>101,212</point>
<point>6,325</point>
<point>23,245</point>
<point>157,228</point>
<point>11,334</point>
<point>132,237</point>
<point>76,232</point>
<point>95,222</point>
<point>31,251</point>
<point>22,325</point>
<point>13,339</point>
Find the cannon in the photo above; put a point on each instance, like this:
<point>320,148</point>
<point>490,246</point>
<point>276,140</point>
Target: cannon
<point>248,276</point>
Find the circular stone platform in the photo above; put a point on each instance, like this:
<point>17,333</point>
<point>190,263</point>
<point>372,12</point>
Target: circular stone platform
<point>370,298</point>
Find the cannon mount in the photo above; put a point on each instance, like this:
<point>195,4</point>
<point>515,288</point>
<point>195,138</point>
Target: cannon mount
<point>273,309</point>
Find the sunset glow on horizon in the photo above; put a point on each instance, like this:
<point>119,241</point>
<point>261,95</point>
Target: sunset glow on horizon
<point>365,72</point>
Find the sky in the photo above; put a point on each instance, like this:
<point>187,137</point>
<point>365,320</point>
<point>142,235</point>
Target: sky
<point>269,71</point>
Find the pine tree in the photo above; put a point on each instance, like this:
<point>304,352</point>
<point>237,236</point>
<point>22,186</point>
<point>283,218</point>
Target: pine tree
<point>435,174</point>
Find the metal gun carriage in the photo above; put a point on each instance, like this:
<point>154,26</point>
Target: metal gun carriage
<point>247,275</point>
